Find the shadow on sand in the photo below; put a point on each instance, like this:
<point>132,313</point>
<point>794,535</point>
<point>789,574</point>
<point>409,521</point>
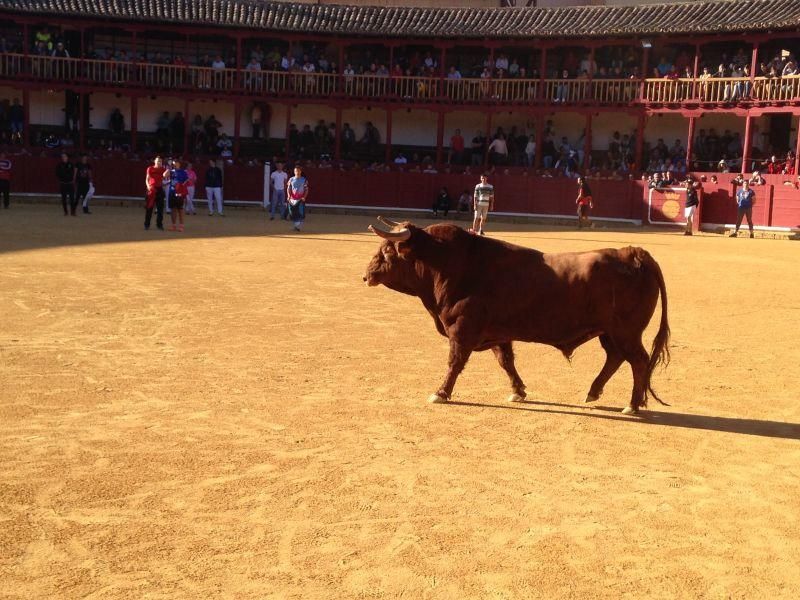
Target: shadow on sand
<point>773,429</point>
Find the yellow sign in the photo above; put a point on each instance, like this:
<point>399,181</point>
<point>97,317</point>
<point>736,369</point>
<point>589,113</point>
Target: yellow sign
<point>671,209</point>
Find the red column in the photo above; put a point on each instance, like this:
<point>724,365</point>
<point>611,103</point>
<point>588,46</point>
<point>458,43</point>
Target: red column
<point>388,159</point>
<point>337,153</point>
<point>83,120</point>
<point>134,120</point>
<point>587,142</point>
<point>442,72</point>
<point>590,91</point>
<point>186,128</point>
<point>26,124</point>
<point>288,122</point>
<point>134,59</point>
<point>748,143</point>
<point>237,127</point>
<point>239,67</point>
<point>542,77</point>
<point>439,138</point>
<point>639,142</point>
<point>539,140</point>
<point>690,144</point>
<point>488,136</point>
<point>797,150</point>
<point>643,72</point>
<point>753,64</point>
<point>695,71</point>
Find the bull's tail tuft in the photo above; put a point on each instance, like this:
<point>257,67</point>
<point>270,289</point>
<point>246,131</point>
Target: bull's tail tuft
<point>660,353</point>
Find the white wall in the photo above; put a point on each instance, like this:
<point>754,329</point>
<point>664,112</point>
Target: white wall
<point>103,104</point>
<point>358,117</point>
<point>416,128</point>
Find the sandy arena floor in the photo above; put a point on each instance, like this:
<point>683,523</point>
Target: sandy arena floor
<point>232,413</point>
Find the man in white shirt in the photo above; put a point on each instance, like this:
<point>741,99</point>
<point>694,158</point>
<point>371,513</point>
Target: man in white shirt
<point>277,199</point>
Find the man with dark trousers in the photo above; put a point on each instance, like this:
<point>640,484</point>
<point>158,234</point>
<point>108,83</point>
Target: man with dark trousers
<point>65,173</point>
<point>5,179</point>
<point>83,181</point>
<point>153,181</point>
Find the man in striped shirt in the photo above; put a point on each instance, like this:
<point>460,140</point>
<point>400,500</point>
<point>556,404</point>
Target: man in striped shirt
<point>483,201</point>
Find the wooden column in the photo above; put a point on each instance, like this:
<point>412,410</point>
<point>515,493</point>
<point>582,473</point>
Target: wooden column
<point>439,137</point>
<point>239,68</point>
<point>587,142</point>
<point>539,140</point>
<point>542,77</point>
<point>186,128</point>
<point>442,72</point>
<point>488,137</point>
<point>288,122</point>
<point>695,71</point>
<point>797,150</point>
<point>237,128</point>
<point>388,159</point>
<point>639,142</point>
<point>337,153</point>
<point>134,120</point>
<point>26,123</point>
<point>643,72</point>
<point>753,64</point>
<point>83,120</point>
<point>590,91</point>
<point>690,144</point>
<point>26,40</point>
<point>748,143</point>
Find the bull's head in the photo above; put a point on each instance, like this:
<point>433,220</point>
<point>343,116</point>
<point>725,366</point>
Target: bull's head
<point>391,265</point>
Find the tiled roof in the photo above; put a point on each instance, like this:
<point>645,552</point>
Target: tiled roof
<point>586,21</point>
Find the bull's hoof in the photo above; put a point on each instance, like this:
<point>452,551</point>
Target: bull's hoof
<point>591,398</point>
<point>515,398</point>
<point>629,410</point>
<point>437,399</point>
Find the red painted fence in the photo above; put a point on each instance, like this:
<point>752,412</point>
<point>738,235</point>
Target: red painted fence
<point>777,205</point>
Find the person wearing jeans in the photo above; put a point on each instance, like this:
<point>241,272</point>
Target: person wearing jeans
<point>153,180</point>
<point>744,199</point>
<point>65,173</point>
<point>213,185</point>
<point>5,179</point>
<point>277,199</point>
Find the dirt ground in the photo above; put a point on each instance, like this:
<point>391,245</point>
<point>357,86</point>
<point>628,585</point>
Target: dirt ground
<point>231,412</point>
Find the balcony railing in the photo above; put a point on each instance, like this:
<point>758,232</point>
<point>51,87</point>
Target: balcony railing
<point>154,76</point>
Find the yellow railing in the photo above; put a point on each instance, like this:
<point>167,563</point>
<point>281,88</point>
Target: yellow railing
<point>419,89</point>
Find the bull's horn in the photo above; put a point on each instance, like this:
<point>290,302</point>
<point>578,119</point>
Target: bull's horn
<point>394,236</point>
<point>389,223</point>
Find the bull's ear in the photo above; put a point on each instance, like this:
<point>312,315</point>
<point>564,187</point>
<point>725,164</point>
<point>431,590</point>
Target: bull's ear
<point>406,248</point>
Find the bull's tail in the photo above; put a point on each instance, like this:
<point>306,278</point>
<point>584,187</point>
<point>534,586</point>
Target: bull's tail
<point>660,353</point>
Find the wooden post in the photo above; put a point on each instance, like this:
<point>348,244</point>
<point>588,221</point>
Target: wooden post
<point>239,72</point>
<point>439,137</point>
<point>643,73</point>
<point>695,70</point>
<point>639,142</point>
<point>288,123</point>
<point>590,91</point>
<point>83,120</point>
<point>690,144</point>
<point>587,143</point>
<point>748,143</point>
<point>797,150</point>
<point>134,121</point>
<point>488,137</point>
<point>542,77</point>
<point>388,158</point>
<point>26,123</point>
<point>539,140</point>
<point>187,126</point>
<point>337,153</point>
<point>237,127</point>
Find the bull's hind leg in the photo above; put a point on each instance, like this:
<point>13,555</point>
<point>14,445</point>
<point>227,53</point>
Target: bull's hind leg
<point>505,356</point>
<point>638,358</point>
<point>459,355</point>
<point>613,361</point>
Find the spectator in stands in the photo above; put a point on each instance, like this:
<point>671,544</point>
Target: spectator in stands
<point>211,129</point>
<point>562,88</point>
<point>218,70</point>
<point>252,77</point>
<point>116,123</point>
<point>177,131</point>
<point>463,202</point>
<point>307,142</point>
<point>213,185</point>
<point>757,179</point>
<point>773,166</point>
<point>441,203</point>
<point>530,151</point>
<point>478,148</point>
<point>371,138</point>
<point>498,151</point>
<point>456,155</point>
<point>655,182</point>
<point>224,146</point>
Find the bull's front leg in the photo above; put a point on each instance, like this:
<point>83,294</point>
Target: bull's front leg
<point>459,355</point>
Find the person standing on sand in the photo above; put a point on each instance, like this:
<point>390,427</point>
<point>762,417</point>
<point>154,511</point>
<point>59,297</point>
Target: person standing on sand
<point>297,192</point>
<point>153,181</point>
<point>180,189</point>
<point>65,173</point>
<point>190,188</point>
<point>744,200</point>
<point>483,202</point>
<point>584,202</point>
<point>5,179</point>
<point>692,202</point>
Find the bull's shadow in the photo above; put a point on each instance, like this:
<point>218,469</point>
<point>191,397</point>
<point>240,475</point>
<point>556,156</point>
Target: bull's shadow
<point>773,429</point>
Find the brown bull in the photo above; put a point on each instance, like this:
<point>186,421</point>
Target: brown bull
<point>485,294</point>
